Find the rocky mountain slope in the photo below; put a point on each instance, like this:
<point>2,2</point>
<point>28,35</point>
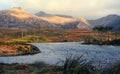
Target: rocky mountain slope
<point>18,18</point>
<point>65,21</point>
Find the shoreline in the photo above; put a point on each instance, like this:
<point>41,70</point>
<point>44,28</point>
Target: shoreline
<point>10,50</point>
<point>115,42</point>
<point>100,44</point>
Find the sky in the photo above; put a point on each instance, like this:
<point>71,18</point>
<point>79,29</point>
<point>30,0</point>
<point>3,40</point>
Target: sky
<point>89,9</point>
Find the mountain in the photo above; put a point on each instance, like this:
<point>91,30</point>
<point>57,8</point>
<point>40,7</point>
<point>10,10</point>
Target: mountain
<point>17,18</point>
<point>44,14</point>
<point>77,23</point>
<point>110,20</point>
<point>65,21</point>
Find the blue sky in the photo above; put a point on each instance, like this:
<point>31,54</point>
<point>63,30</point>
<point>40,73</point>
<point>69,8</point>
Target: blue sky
<point>90,9</point>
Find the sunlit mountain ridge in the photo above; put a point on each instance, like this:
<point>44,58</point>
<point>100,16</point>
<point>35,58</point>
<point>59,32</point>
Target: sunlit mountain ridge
<point>17,17</point>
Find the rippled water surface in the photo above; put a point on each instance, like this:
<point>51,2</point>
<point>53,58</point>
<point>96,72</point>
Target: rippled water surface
<point>52,52</point>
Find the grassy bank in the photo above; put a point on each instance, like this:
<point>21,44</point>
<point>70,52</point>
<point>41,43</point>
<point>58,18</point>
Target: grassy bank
<point>55,35</point>
<point>17,49</point>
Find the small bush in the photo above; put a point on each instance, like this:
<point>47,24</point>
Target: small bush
<point>39,64</point>
<point>115,69</point>
<point>75,64</point>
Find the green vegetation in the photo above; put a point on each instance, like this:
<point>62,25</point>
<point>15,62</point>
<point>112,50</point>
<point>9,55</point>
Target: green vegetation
<point>103,29</point>
<point>29,39</point>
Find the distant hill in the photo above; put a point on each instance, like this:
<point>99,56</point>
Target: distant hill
<point>17,18</point>
<point>110,20</point>
<point>65,21</point>
<point>44,14</point>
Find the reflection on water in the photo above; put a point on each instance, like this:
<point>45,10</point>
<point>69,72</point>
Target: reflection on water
<point>52,52</point>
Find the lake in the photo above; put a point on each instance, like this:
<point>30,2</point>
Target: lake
<point>51,53</point>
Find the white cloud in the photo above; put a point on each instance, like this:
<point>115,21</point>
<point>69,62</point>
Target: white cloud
<point>6,4</point>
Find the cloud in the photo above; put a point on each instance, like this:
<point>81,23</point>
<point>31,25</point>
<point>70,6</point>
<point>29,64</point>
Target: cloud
<point>84,8</point>
<point>6,4</point>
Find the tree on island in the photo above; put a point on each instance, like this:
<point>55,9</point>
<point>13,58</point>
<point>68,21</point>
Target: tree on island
<point>104,31</point>
<point>103,28</point>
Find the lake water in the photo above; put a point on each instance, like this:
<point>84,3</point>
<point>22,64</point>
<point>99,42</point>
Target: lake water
<point>52,52</point>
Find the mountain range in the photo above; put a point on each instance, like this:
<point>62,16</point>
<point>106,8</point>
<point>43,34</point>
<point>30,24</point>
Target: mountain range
<point>19,18</point>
